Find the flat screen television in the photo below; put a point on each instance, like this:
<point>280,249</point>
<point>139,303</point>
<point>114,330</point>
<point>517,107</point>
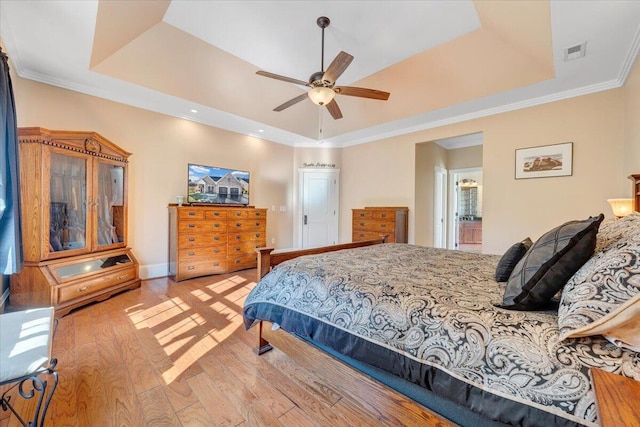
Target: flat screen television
<point>217,186</point>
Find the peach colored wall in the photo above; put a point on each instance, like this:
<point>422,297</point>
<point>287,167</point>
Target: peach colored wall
<point>162,146</point>
<point>377,174</point>
<point>428,155</point>
<point>512,209</point>
<point>632,127</point>
<point>464,158</point>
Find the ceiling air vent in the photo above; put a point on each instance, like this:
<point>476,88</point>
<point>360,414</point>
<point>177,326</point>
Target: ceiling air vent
<point>575,52</point>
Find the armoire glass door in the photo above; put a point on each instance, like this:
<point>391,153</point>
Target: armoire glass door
<point>110,204</point>
<point>67,208</point>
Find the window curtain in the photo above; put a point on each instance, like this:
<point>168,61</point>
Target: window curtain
<point>10,232</point>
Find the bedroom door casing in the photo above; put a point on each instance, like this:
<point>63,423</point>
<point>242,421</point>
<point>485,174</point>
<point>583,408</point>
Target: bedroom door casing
<point>319,207</point>
<point>440,208</point>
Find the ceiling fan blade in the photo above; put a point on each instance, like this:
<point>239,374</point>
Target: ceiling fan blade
<point>283,78</point>
<point>362,92</point>
<point>291,102</point>
<point>337,67</point>
<point>334,110</point>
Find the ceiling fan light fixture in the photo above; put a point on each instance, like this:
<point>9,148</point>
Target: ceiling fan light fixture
<point>321,95</point>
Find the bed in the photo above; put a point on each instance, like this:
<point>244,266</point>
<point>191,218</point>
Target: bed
<point>434,323</point>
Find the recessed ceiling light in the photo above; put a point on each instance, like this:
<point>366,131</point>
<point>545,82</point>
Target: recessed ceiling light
<point>194,110</point>
<point>260,130</point>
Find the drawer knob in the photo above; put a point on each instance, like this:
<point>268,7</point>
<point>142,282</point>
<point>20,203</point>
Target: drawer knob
<point>384,215</point>
<point>192,239</point>
<point>362,224</point>
<point>84,288</point>
<point>237,261</point>
<point>216,214</point>
<point>124,276</point>
<point>192,226</point>
<point>383,225</point>
<point>238,224</point>
<point>257,235</point>
<point>238,237</point>
<point>361,234</point>
<point>216,238</point>
<point>216,251</point>
<point>216,225</point>
<point>192,253</point>
<point>257,224</point>
<point>191,213</point>
<point>191,267</point>
<point>215,264</point>
<point>237,249</point>
<point>361,215</point>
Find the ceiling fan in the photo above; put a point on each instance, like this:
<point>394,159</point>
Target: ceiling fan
<point>322,83</point>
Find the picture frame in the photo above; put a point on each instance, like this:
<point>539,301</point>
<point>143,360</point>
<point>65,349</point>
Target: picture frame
<point>544,161</point>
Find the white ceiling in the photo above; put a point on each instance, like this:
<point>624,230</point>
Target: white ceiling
<point>53,42</point>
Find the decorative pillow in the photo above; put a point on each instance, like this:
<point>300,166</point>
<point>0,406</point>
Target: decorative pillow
<point>510,258</point>
<point>612,230</point>
<point>603,297</point>
<point>549,263</point>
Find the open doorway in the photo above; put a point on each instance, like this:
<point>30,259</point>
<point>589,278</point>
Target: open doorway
<point>465,209</point>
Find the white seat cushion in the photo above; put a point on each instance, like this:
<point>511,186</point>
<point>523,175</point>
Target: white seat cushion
<point>25,342</point>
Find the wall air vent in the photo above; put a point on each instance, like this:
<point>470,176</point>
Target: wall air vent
<point>575,52</point>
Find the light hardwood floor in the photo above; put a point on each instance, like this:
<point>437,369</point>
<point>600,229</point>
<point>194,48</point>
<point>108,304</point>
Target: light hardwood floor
<point>177,354</point>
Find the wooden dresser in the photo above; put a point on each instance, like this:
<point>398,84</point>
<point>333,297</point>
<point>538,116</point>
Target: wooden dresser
<point>372,222</point>
<point>206,240</point>
<point>636,191</point>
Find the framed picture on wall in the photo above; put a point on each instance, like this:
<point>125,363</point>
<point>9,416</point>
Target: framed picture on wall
<point>545,161</point>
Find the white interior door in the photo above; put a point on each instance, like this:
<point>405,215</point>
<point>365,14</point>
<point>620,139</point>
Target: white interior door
<point>440,208</point>
<point>319,208</point>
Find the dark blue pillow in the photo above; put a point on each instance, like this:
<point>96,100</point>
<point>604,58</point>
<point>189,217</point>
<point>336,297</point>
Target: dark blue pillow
<point>510,258</point>
<point>549,263</point>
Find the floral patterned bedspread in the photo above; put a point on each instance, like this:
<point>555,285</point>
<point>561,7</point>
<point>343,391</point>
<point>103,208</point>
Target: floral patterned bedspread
<point>436,307</point>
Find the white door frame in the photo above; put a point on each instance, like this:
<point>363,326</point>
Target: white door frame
<point>453,205</point>
<point>439,207</point>
<point>335,174</point>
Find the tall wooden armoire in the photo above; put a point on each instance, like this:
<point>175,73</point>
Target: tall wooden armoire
<point>73,198</point>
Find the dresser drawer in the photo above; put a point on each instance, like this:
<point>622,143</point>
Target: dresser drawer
<point>202,226</point>
<point>189,269</point>
<point>361,214</point>
<point>361,236</point>
<point>186,213</point>
<point>243,262</point>
<point>373,225</point>
<point>202,253</point>
<point>95,285</point>
<point>259,237</point>
<point>244,247</point>
<point>206,239</point>
<point>215,214</point>
<point>246,224</point>
<point>384,215</point>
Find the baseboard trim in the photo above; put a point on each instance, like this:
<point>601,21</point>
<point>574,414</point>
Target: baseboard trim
<point>3,299</point>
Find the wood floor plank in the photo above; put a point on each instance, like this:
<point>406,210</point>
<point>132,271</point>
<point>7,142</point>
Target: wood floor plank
<point>91,399</point>
<point>318,409</point>
<point>248,403</point>
<point>221,410</point>
<point>176,388</point>
<point>122,400</point>
<point>195,416</point>
<point>157,410</point>
<point>141,371</point>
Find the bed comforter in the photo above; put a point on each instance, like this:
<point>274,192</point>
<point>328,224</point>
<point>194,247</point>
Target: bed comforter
<point>428,316</point>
